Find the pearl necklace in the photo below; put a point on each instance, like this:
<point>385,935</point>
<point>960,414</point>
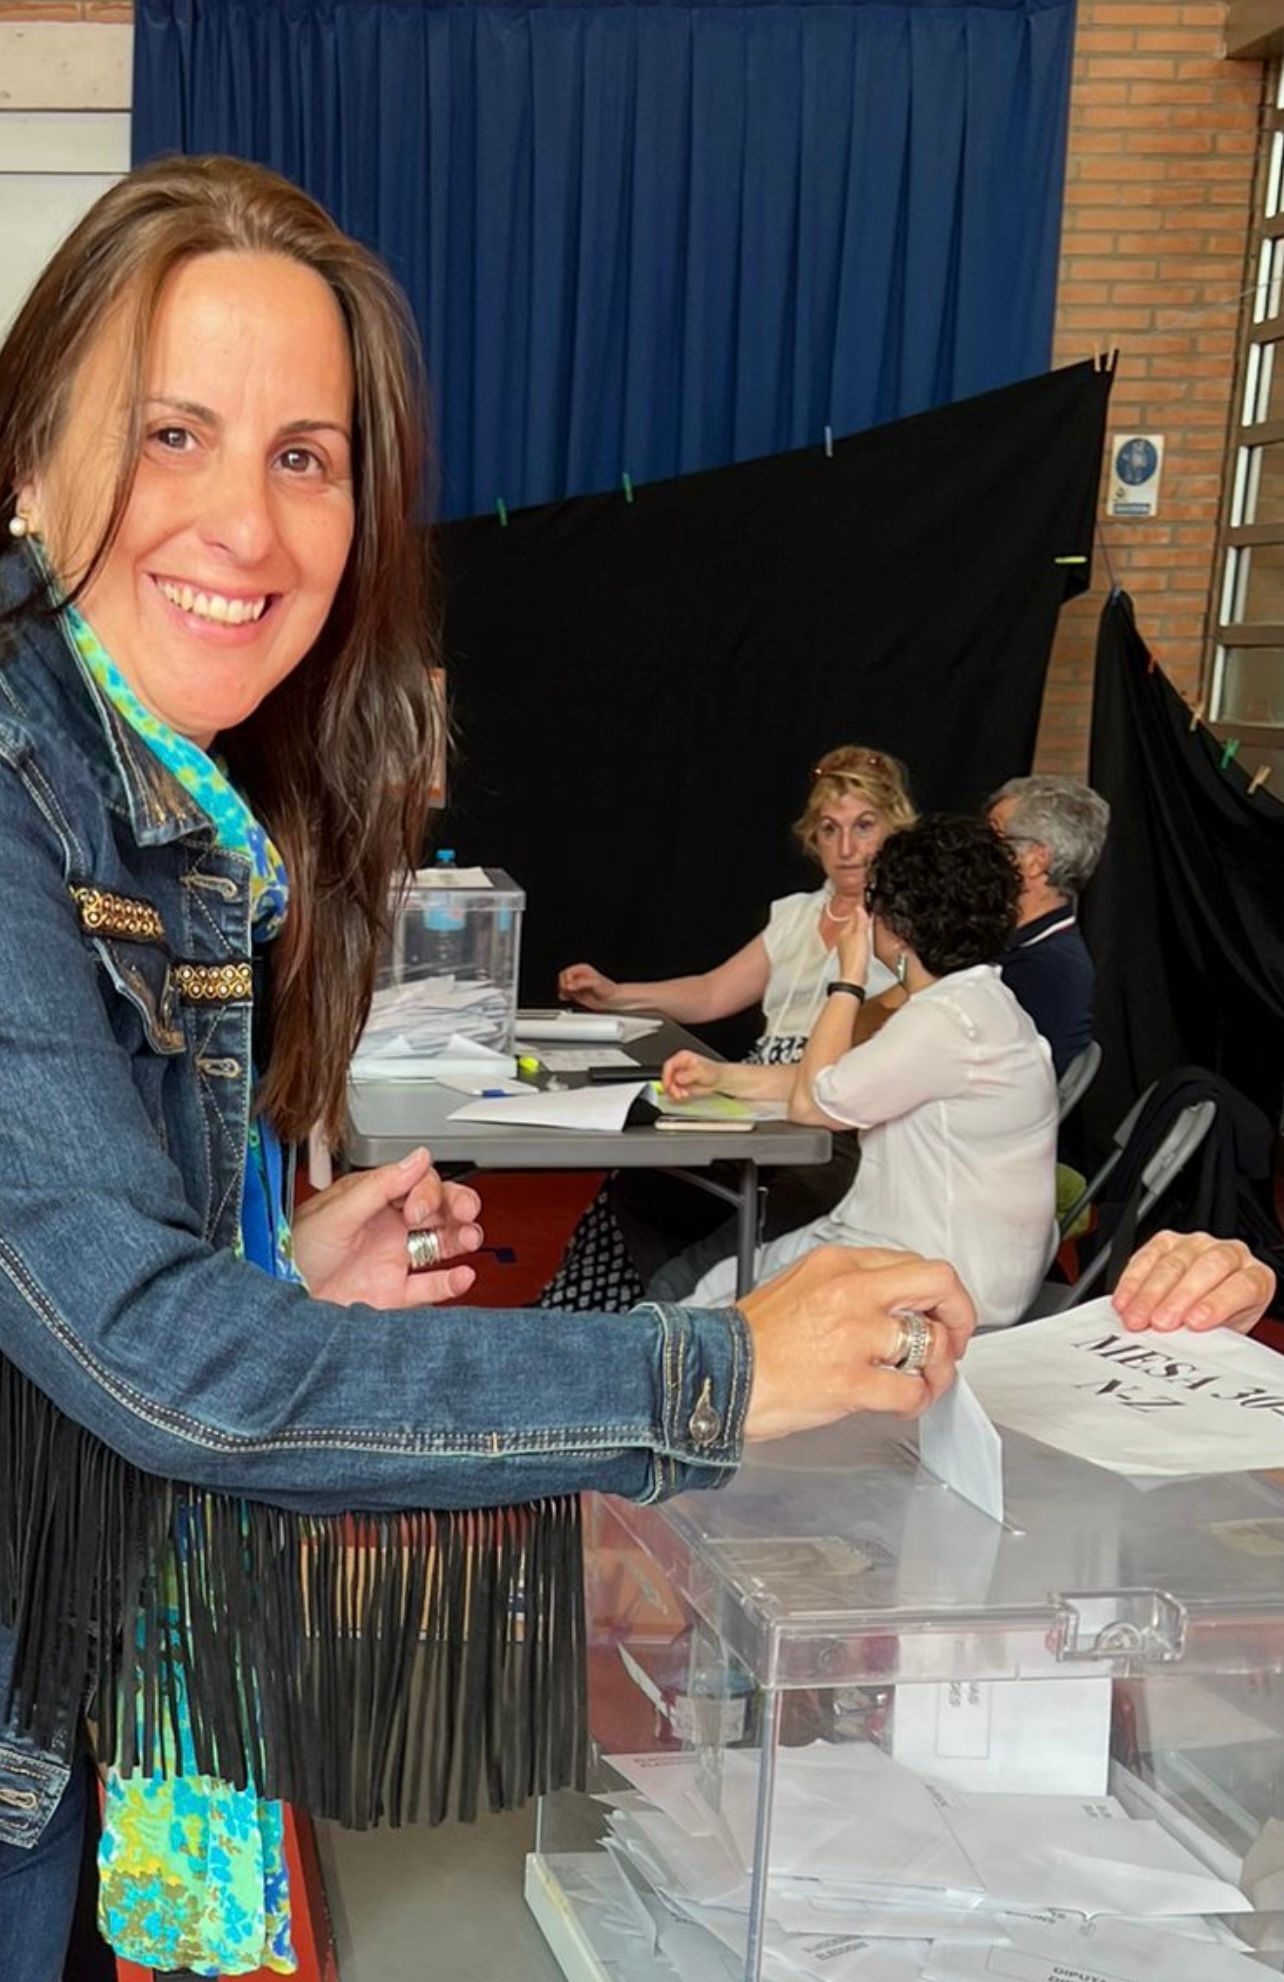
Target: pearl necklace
<point>839,921</point>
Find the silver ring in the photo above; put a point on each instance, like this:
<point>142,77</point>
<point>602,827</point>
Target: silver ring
<point>915,1344</point>
<point>424,1248</point>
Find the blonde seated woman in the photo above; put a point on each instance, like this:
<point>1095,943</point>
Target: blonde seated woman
<point>857,797</point>
<point>954,1096</point>
<point>641,1219</point>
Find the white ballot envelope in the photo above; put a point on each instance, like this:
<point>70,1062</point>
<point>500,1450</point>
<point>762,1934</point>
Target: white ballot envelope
<point>957,1442</point>
<point>1102,1951</point>
<point>1142,1404</point>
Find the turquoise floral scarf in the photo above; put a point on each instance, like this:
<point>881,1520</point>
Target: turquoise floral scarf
<point>192,1871</point>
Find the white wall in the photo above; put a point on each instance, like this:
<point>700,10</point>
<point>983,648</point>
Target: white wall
<point>64,137</point>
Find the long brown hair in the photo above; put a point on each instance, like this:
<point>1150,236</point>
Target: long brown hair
<point>337,760</point>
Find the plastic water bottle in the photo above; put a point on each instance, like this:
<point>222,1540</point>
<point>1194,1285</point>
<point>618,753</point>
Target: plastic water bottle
<point>445,920</point>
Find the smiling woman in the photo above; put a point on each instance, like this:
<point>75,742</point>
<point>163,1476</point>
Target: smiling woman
<point>240,519</point>
<point>185,393</point>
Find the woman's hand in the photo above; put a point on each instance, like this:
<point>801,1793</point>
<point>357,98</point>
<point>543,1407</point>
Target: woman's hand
<point>580,984</point>
<point>853,946</point>
<point>824,1327</point>
<point>689,1076</point>
<point>1192,1280</point>
<point>350,1240</point>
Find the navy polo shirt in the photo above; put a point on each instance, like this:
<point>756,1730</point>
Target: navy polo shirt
<point>1047,969</point>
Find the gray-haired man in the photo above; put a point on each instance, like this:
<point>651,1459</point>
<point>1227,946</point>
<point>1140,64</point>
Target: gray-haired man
<point>1056,828</point>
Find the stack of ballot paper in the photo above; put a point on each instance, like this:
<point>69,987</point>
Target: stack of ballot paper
<point>880,1874</point>
<point>414,1025</point>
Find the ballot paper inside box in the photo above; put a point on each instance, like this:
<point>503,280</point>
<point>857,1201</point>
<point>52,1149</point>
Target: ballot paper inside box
<point>446,981</point>
<point>848,1727</point>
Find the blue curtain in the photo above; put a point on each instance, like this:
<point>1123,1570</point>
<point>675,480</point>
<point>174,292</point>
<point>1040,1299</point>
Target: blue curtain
<point>650,239</point>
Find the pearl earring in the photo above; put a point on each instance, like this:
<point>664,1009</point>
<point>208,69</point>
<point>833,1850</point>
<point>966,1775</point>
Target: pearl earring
<point>18,526</point>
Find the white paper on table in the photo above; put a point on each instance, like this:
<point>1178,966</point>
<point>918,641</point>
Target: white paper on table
<point>599,1108</point>
<point>1103,1951</point>
<point>569,1025</point>
<point>1093,1860</point>
<point>957,1442</point>
<point>579,1059</point>
<point>1171,1404</point>
<point>1011,1735</point>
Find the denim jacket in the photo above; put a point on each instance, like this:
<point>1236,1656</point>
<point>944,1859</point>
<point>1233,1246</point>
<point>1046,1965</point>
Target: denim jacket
<point>124,1102</point>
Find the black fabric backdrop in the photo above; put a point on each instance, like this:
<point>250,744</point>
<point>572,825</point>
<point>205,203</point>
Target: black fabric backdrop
<point>639,690</point>
<point>1185,916</point>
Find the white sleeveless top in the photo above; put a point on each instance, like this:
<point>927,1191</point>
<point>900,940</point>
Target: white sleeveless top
<point>801,968</point>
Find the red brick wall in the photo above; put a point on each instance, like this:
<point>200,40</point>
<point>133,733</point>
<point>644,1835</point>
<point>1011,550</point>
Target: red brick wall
<point>1158,202</point>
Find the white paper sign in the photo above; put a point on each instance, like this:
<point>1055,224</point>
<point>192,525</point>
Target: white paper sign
<point>1136,468</point>
<point>1170,1404</point>
<point>602,1108</point>
<point>1014,1735</point>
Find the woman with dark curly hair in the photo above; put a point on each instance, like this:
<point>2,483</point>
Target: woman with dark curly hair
<point>955,1096</point>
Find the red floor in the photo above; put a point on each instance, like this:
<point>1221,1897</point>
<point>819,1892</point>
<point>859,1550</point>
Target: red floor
<point>527,1217</point>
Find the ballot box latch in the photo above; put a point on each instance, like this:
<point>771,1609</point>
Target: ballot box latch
<point>1144,1627</point>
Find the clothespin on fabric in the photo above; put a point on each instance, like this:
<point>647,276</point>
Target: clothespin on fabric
<point>626,483</point>
<point>1230,750</point>
<point>501,510</point>
<point>1196,716</point>
<point>1258,779</point>
<point>829,443</point>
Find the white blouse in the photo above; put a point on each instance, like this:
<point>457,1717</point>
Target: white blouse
<point>957,1105</point>
<point>801,968</point>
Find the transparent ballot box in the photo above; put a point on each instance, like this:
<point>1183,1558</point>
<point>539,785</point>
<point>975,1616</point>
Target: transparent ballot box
<point>446,985</point>
<point>845,1726</point>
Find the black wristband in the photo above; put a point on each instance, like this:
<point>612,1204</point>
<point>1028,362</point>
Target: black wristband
<point>856,991</point>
